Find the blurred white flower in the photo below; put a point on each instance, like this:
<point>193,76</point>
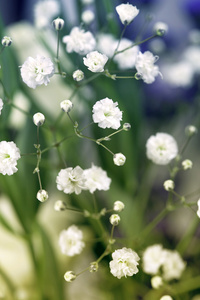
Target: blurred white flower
<point>126,59</point>
<point>70,180</point>
<point>153,258</point>
<point>187,164</point>
<point>124,263</point>
<point>198,210</point>
<point>96,179</point>
<point>45,11</point>
<point>71,241</point>
<point>6,41</point>
<point>42,195</point>
<point>79,41</point>
<point>78,75</point>
<point>38,119</point>
<point>9,154</point>
<point>127,12</point>
<point>169,185</point>
<point>119,159</point>
<point>173,265</point>
<point>66,105</point>
<point>166,297</point>
<point>156,282</point>
<point>87,16</point>
<point>87,2</point>
<point>106,43</point>
<point>161,148</point>
<point>37,71</point>
<point>145,66</point>
<point>118,206</point>
<point>107,114</point>
<point>114,219</point>
<point>70,276</point>
<point>191,56</point>
<point>1,105</point>
<point>95,61</point>
<point>160,27</point>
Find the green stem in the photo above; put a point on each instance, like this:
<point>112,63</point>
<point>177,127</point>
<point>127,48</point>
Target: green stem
<point>187,285</point>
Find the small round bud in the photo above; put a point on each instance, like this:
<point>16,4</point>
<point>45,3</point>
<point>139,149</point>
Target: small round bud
<point>78,75</point>
<point>38,119</point>
<point>58,24</point>
<point>190,130</point>
<point>126,126</point>
<point>60,205</point>
<point>69,276</point>
<point>87,16</point>
<point>119,159</point>
<point>166,297</point>
<point>66,105</point>
<point>94,267</point>
<point>138,76</point>
<point>156,282</point>
<point>6,41</point>
<point>160,28</point>
<point>42,195</point>
<point>169,185</point>
<point>187,164</point>
<point>114,219</point>
<point>118,206</point>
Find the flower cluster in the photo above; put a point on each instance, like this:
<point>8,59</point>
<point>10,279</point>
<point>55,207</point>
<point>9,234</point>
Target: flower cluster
<point>9,155</point>
<point>71,241</point>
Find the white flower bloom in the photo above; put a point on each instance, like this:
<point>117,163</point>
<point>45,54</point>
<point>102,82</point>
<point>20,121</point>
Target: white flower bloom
<point>119,159</point>
<point>79,41</point>
<point>160,28</point>
<point>153,258</point>
<point>71,241</point>
<point>173,265</point>
<point>127,12</point>
<point>1,105</point>
<point>66,105</point>
<point>38,119</point>
<point>58,24</point>
<point>87,16</point>
<point>169,185</point>
<point>161,148</point>
<point>60,205</point>
<point>114,219</point>
<point>166,297</point>
<point>6,41</point>
<point>70,276</point>
<point>37,71</point>
<point>126,59</point>
<point>198,210</point>
<point>95,61</point>
<point>145,66</point>
<point>118,206</point>
<point>190,130</point>
<point>96,179</point>
<point>124,263</point>
<point>42,195</point>
<point>156,282</point>
<point>187,164</point>
<point>106,44</point>
<point>45,11</point>
<point>107,114</point>
<point>70,180</point>
<point>191,56</point>
<point>78,75</point>
<point>9,154</point>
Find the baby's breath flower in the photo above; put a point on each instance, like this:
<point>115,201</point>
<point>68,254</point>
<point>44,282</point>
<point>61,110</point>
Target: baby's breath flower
<point>119,159</point>
<point>187,164</point>
<point>156,282</point>
<point>60,205</point>
<point>69,276</point>
<point>169,185</point>
<point>44,12</point>
<point>114,219</point>
<point>87,16</point>
<point>37,71</point>
<point>96,179</point>
<point>70,241</point>
<point>153,258</point>
<point>6,41</point>
<point>118,206</point>
<point>94,267</point>
<point>1,105</point>
<point>107,114</point>
<point>42,195</point>
<point>190,130</point>
<point>127,12</point>
<point>78,75</point>
<point>198,210</point>
<point>124,263</point>
<point>95,61</point>
<point>58,24</point>
<point>38,119</point>
<point>9,154</point>
<point>173,265</point>
<point>126,126</point>
<point>160,28</point>
<point>166,297</point>
<point>66,105</point>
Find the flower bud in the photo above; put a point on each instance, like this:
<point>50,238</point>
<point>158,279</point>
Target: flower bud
<point>6,41</point>
<point>87,16</point>
<point>126,126</point>
<point>138,76</point>
<point>94,267</point>
<point>118,206</point>
<point>190,130</point>
<point>114,219</point>
<point>119,159</point>
<point>42,195</point>
<point>78,75</point>
<point>38,119</point>
<point>60,205</point>
<point>66,105</point>
<point>166,297</point>
<point>156,282</point>
<point>70,276</point>
<point>58,24</point>
<point>160,28</point>
<point>169,185</point>
<point>187,164</point>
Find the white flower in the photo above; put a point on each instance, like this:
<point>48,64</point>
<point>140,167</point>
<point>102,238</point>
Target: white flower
<point>119,159</point>
<point>160,28</point>
<point>79,41</point>
<point>58,24</point>
<point>169,185</point>
<point>118,206</point>
<point>191,56</point>
<point>1,105</point>
<point>114,219</point>
<point>70,241</point>
<point>70,276</point>
<point>9,154</point>
<point>145,66</point>
<point>153,258</point>
<point>66,105</point>
<point>161,148</point>
<point>166,297</point>
<point>78,75</point>
<point>96,179</point>
<point>44,12</point>
<point>6,41</point>
<point>156,282</point>
<point>127,12</point>
<point>87,16</point>
<point>106,44</point>
<point>107,114</point>
<point>70,180</point>
<point>190,130</point>
<point>95,61</point>
<point>37,71</point>
<point>126,59</point>
<point>198,210</point>
<point>124,263</point>
<point>187,164</point>
<point>60,205</point>
<point>42,195</point>
<point>38,119</point>
<point>173,265</point>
